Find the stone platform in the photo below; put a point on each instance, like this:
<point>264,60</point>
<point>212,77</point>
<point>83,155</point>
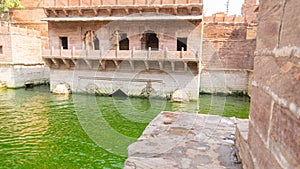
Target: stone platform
<point>185,141</point>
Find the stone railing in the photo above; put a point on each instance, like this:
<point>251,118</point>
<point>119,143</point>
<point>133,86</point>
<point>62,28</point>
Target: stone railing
<point>120,54</point>
<point>86,3</point>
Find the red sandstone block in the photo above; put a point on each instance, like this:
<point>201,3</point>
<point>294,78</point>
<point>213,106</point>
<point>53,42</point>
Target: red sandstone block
<point>279,76</point>
<point>260,110</point>
<point>62,3</point>
<point>291,21</point>
<point>269,24</point>
<point>264,158</point>
<point>285,133</point>
<point>73,2</point>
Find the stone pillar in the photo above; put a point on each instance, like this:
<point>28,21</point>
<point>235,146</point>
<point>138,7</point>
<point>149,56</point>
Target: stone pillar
<point>274,128</point>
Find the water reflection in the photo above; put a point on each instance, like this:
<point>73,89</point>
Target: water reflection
<point>42,130</point>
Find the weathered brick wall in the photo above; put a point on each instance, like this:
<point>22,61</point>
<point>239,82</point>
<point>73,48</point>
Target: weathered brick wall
<point>26,49</point>
<point>5,44</point>
<point>30,16</point>
<point>20,45</point>
<point>274,128</point>
<point>225,46</point>
<point>248,10</point>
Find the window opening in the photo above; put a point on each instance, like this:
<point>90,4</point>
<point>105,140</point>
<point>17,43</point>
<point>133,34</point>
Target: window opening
<point>64,42</point>
<point>96,43</point>
<point>181,43</point>
<point>124,42</point>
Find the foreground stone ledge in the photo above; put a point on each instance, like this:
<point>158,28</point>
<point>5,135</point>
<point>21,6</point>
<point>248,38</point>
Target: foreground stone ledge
<point>183,140</point>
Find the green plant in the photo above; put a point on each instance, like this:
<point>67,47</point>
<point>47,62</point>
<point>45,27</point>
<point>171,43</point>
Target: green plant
<point>6,4</point>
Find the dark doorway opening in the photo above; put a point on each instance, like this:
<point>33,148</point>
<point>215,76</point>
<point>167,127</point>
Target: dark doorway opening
<point>96,43</point>
<point>181,44</point>
<point>124,42</point>
<point>64,42</point>
<point>150,39</point>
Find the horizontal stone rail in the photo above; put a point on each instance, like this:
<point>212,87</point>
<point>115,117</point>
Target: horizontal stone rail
<point>51,3</point>
<point>120,54</point>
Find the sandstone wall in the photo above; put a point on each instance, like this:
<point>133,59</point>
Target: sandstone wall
<point>274,128</point>
<point>226,46</point>
<point>249,10</point>
<point>228,54</point>
<point>163,82</point>
<point>30,16</point>
<point>5,44</point>
<point>114,2</point>
<point>167,33</point>
<point>20,45</point>
<point>20,58</point>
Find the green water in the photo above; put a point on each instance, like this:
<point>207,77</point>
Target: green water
<point>42,130</point>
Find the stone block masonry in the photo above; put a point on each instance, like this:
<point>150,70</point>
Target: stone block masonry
<point>20,57</point>
<point>274,126</point>
<point>228,52</point>
<point>30,16</point>
<point>185,141</point>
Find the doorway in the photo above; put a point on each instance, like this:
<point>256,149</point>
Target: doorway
<point>150,40</point>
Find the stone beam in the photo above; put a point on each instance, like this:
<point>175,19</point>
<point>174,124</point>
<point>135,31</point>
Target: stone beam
<point>131,64</point>
<point>102,64</point>
<point>117,64</point>
<point>66,63</point>
<point>88,63</point>
<point>55,62</point>
<point>54,12</point>
<point>66,12</point>
<point>95,11</point>
<point>146,64</point>
<point>161,67</point>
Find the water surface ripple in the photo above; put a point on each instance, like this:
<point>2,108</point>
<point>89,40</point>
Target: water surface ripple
<point>42,130</point>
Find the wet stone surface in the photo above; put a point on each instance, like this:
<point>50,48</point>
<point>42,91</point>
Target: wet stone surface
<point>185,141</point>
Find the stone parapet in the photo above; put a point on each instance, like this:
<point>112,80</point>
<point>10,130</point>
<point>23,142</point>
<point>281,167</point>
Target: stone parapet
<point>63,3</point>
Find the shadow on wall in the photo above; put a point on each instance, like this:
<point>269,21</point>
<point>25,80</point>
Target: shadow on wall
<point>228,56</point>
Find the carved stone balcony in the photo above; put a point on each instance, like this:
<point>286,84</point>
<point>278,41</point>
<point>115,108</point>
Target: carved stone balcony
<point>125,60</point>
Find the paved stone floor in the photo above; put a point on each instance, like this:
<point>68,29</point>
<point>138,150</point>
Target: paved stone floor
<point>185,141</point>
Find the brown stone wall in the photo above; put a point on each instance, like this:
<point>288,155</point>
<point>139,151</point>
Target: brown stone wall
<point>274,133</point>
<point>5,42</point>
<point>20,45</point>
<point>225,46</point>
<point>26,49</point>
<point>167,33</point>
<point>30,16</point>
<point>249,10</point>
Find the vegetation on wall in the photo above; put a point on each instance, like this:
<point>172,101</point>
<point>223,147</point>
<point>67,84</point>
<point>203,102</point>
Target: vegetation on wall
<point>6,4</point>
